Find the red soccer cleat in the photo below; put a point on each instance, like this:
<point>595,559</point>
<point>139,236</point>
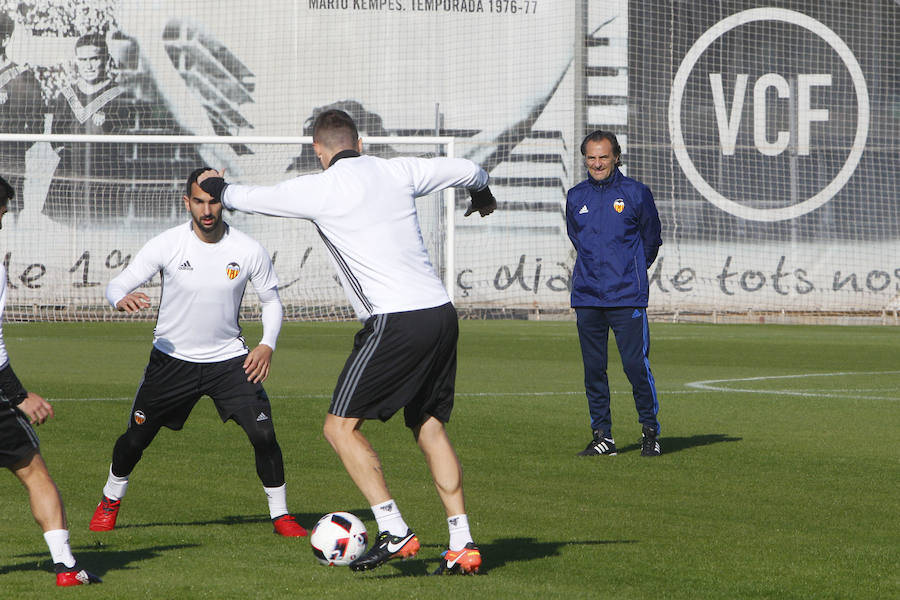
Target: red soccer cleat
<point>104,518</point>
<point>79,577</point>
<point>288,526</point>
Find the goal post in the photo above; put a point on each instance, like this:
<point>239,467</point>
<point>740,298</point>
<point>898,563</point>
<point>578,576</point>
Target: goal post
<point>70,230</point>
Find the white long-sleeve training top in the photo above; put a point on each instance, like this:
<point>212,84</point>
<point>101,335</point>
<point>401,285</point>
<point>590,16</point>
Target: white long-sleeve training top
<point>364,208</point>
<point>202,288</point>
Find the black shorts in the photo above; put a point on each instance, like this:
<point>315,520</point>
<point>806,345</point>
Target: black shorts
<point>171,388</point>
<point>401,360</point>
<point>17,437</point>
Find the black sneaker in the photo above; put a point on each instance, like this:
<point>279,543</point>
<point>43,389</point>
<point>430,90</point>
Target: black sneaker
<point>649,442</point>
<point>601,445</point>
<point>385,548</point>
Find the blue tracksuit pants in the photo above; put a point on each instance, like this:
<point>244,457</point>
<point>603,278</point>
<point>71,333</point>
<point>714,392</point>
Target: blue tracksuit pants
<point>632,334</point>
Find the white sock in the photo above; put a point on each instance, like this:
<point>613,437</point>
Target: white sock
<point>389,519</point>
<point>58,542</point>
<point>459,531</point>
<point>277,497</point>
<point>115,486</point>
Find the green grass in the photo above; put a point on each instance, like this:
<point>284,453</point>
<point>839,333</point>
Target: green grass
<point>771,485</point>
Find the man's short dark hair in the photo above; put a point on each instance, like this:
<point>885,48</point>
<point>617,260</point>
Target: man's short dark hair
<point>596,136</point>
<point>335,128</point>
<point>192,179</point>
<point>7,192</point>
<point>93,39</point>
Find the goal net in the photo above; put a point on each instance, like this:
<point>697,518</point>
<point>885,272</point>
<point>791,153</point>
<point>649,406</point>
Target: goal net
<point>221,79</point>
<point>71,232</point>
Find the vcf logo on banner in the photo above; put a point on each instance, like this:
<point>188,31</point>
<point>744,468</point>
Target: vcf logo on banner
<point>789,109</point>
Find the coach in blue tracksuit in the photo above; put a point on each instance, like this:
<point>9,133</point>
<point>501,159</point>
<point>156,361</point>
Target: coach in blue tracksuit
<point>614,226</point>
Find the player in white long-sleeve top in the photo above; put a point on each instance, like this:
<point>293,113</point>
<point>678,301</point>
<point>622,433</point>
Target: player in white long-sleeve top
<point>405,355</point>
<point>205,265</point>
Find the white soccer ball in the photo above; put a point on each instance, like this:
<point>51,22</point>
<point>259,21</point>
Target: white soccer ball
<point>338,538</point>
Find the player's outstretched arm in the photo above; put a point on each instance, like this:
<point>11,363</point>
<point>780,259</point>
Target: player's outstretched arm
<point>133,302</point>
<point>257,363</point>
<point>36,408</point>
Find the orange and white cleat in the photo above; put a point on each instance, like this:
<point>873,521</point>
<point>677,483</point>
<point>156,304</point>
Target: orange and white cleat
<point>465,562</point>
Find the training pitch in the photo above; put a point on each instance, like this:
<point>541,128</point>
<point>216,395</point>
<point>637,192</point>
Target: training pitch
<point>778,479</point>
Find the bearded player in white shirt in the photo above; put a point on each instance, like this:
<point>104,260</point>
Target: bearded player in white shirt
<point>198,349</point>
<point>405,355</point>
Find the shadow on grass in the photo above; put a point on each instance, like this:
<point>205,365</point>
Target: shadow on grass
<point>97,560</point>
<point>306,519</point>
<point>676,444</point>
<point>495,554</point>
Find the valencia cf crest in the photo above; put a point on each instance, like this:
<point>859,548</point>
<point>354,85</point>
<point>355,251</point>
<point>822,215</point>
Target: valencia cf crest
<point>619,205</point>
<point>139,417</point>
<point>232,270</point>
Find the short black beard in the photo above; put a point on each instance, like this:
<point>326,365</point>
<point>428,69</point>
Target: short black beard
<point>200,226</point>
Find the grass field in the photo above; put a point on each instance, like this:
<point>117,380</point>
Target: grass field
<point>778,479</point>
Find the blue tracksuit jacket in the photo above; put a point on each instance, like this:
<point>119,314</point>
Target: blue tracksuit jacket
<point>615,229</point>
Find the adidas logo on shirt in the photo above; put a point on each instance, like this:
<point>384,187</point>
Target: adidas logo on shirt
<point>186,266</point>
<point>584,210</point>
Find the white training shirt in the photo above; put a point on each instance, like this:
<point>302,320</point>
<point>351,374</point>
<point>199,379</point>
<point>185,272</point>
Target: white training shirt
<point>202,288</point>
<point>364,208</point>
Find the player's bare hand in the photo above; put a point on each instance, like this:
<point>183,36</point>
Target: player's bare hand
<point>133,302</point>
<point>256,365</point>
<point>36,408</point>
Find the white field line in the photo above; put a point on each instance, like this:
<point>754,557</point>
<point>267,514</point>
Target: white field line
<point>696,387</point>
<point>712,385</point>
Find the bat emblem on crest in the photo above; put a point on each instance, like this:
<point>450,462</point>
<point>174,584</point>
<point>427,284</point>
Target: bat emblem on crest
<point>232,270</point>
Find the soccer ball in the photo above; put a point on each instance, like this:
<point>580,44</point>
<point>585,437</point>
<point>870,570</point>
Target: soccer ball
<point>338,538</point>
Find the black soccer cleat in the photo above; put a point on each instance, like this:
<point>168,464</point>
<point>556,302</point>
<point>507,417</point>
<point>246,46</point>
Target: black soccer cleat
<point>649,442</point>
<point>385,548</point>
<point>601,445</point>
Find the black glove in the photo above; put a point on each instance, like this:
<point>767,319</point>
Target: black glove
<point>214,186</point>
<point>483,201</point>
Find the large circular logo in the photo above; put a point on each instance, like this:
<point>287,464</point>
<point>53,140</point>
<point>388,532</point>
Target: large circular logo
<point>765,146</point>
